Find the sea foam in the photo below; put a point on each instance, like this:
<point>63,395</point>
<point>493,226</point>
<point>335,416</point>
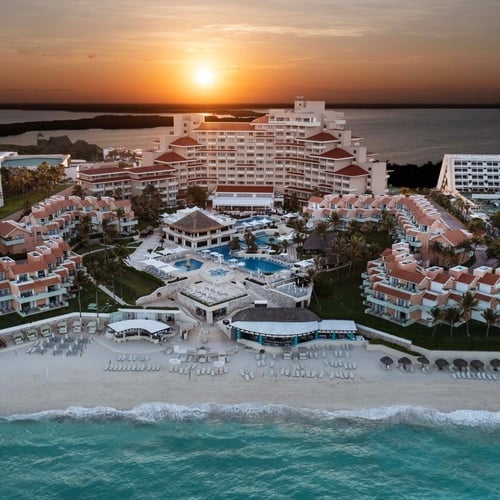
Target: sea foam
<point>266,413</point>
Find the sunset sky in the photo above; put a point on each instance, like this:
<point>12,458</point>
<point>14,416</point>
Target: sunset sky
<point>250,51</point>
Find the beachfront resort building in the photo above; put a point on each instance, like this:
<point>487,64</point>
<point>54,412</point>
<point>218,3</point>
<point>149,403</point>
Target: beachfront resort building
<point>59,217</point>
<point>287,152</point>
<point>39,282</point>
<point>417,222</point>
<point>396,287</point>
<point>286,327</point>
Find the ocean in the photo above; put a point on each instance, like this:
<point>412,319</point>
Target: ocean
<point>249,451</point>
<point>410,135</point>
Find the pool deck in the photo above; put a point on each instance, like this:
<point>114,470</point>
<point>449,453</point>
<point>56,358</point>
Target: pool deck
<point>210,286</point>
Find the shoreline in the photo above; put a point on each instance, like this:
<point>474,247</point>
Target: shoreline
<point>38,383</point>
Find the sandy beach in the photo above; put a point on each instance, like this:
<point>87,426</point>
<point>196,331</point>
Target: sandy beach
<point>35,382</point>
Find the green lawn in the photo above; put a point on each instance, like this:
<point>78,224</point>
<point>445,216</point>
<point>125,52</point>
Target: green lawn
<point>339,297</point>
<point>129,284</point>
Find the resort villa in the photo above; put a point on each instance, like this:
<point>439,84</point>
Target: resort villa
<point>418,223</point>
<point>396,287</point>
<point>41,281</point>
<point>59,217</point>
<point>283,153</point>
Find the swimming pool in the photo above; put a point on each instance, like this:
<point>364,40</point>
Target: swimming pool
<point>187,265</point>
<point>263,265</point>
<point>251,263</point>
<point>218,272</point>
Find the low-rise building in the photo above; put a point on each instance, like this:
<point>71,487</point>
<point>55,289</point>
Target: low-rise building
<point>195,228</point>
<point>397,288</point>
<point>40,282</point>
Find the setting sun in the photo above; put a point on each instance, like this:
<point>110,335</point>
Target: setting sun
<point>204,77</point>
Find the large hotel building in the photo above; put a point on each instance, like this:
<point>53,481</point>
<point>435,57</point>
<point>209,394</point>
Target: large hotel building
<point>301,151</point>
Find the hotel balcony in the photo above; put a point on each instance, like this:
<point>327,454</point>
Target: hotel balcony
<point>43,308</point>
<point>10,243</point>
<point>38,296</point>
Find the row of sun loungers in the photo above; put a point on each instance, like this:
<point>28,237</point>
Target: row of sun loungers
<point>133,357</point>
<point>473,376</point>
<point>298,373</point>
<point>184,370</point>
<point>132,368</point>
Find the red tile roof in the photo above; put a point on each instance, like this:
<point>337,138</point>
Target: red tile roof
<point>321,137</point>
<point>409,276</point>
<point>490,279</point>
<point>102,170</point>
<point>465,278</point>
<point>337,154</point>
<point>391,292</point>
<point>352,171</point>
<point>170,157</point>
<point>185,141</point>
<point>315,199</point>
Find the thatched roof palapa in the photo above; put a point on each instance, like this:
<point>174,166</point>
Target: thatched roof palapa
<point>196,222</point>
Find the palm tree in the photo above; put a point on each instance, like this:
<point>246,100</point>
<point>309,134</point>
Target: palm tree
<point>334,220</point>
<point>98,276</point>
<point>491,317</point>
<point>437,249</point>
<point>121,252</point>
<point>112,267</point>
<point>81,280</point>
<point>467,304</point>
<point>451,316</point>
<point>355,249</point>
<point>437,316</point>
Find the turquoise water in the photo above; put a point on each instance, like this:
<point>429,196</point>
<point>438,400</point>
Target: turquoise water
<point>262,265</point>
<point>245,451</point>
<point>251,264</point>
<point>29,162</point>
<point>193,264</point>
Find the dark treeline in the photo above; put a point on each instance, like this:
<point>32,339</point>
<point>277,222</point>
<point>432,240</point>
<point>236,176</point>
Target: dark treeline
<point>414,176</point>
<point>218,108</point>
<point>102,122</point>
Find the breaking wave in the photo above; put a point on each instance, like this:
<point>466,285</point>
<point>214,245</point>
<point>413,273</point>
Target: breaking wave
<point>265,413</point>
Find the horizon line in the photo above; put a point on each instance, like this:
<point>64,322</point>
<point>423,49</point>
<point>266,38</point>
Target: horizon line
<point>237,105</point>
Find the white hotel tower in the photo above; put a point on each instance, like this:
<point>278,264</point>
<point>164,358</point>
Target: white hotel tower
<point>470,173</point>
<point>301,151</point>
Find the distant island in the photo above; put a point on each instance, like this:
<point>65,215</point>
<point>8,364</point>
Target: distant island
<point>112,122</point>
<point>102,122</point>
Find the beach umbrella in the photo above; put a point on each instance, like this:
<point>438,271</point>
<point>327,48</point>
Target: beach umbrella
<point>387,361</point>
<point>477,364</point>
<point>404,361</point>
<point>423,360</point>
<point>495,364</point>
<point>441,363</point>
<point>460,363</point>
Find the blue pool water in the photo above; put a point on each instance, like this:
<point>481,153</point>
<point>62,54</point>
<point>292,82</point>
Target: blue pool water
<point>252,263</point>
<point>161,450</point>
<point>29,162</point>
<point>262,265</point>
<point>218,272</point>
<point>193,264</point>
